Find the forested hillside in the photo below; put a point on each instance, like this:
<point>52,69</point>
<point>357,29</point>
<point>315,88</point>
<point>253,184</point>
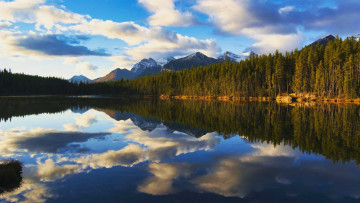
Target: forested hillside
<point>329,71</point>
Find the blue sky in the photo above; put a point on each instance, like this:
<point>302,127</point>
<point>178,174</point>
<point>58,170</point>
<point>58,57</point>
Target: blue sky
<point>70,37</point>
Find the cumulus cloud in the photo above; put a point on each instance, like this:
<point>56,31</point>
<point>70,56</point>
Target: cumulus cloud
<point>36,12</point>
<point>82,121</point>
<point>164,174</point>
<point>81,66</point>
<point>58,45</point>
<point>143,42</point>
<point>30,191</point>
<point>129,32</point>
<point>128,156</point>
<point>123,61</point>
<point>161,145</point>
<point>40,140</point>
<point>47,171</point>
<point>165,14</point>
<point>238,177</point>
<point>267,43</point>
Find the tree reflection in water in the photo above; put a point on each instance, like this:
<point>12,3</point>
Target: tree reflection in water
<point>10,176</point>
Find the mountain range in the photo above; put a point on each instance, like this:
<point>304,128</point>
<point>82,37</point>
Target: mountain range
<point>194,60</point>
<point>151,66</point>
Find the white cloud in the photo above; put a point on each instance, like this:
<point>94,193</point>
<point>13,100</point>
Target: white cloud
<point>164,174</point>
<point>81,66</point>
<point>122,61</point>
<point>165,13</point>
<point>267,43</point>
<point>128,156</point>
<point>10,139</point>
<point>48,16</point>
<point>231,16</point>
<point>129,32</point>
<point>160,145</point>
<point>30,191</point>
<point>240,17</point>
<point>36,12</point>
<point>47,171</point>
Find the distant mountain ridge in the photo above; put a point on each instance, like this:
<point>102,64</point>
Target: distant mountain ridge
<point>323,41</point>
<point>117,74</point>
<point>194,60</point>
<point>150,66</point>
<point>79,78</point>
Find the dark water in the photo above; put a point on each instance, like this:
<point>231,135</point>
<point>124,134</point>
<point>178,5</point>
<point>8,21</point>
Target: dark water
<point>117,150</point>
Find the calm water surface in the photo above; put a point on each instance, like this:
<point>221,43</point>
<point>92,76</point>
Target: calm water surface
<point>115,150</point>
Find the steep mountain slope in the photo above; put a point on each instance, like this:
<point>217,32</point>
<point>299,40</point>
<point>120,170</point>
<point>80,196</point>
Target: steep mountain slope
<point>117,74</point>
<point>79,78</point>
<point>150,71</point>
<point>146,67</point>
<point>323,41</point>
<point>193,60</point>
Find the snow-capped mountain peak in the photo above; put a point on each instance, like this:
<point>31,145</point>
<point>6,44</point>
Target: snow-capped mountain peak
<point>235,57</point>
<point>230,56</point>
<point>143,65</point>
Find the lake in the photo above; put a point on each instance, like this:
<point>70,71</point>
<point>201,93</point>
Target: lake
<point>143,150</point>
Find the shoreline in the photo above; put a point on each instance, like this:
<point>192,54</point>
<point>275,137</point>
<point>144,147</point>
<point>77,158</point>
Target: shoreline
<point>284,99</point>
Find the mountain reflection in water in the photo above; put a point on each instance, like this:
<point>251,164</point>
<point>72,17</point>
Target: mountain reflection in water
<point>116,150</point>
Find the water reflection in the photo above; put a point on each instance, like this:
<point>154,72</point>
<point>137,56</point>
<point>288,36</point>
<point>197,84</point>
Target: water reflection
<point>188,151</point>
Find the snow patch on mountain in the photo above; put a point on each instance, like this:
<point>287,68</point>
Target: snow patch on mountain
<point>164,61</point>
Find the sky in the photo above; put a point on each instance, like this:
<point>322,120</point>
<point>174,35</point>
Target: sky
<point>64,38</point>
